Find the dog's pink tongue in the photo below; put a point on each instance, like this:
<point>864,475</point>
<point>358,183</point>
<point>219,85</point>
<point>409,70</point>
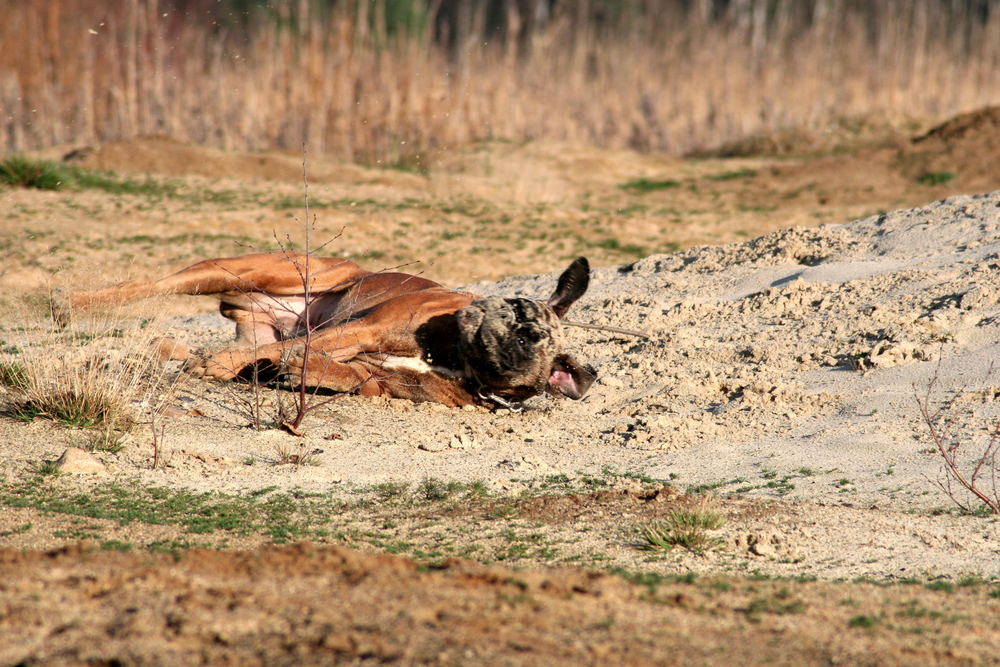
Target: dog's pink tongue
<point>564,382</point>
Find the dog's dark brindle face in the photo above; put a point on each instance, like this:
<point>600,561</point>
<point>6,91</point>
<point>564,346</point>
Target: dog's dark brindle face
<point>513,347</point>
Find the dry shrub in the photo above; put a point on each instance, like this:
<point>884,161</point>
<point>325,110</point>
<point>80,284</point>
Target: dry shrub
<point>98,374</point>
<point>658,75</point>
<point>970,472</point>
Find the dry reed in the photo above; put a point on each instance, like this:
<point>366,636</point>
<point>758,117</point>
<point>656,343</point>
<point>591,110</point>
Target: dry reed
<point>80,71</point>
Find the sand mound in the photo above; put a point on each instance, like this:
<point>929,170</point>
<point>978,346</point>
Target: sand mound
<point>803,335</point>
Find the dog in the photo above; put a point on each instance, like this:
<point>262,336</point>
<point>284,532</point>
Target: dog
<point>373,333</point>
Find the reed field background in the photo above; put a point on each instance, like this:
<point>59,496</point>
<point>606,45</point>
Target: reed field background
<point>391,82</point>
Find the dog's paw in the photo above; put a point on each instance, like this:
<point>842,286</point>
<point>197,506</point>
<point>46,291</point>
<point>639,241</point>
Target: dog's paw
<point>168,349</point>
<point>320,371</point>
<point>212,368</point>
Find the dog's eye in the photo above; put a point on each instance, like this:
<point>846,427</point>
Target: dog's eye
<point>521,341</point>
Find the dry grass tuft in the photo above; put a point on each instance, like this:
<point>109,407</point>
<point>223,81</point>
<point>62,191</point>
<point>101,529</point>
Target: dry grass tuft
<point>97,373</point>
<point>296,456</point>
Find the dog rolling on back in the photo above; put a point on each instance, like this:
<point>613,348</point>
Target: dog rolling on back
<point>390,334</point>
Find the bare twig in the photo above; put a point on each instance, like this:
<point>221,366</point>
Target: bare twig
<point>302,405</point>
<point>944,433</point>
<point>601,327</point>
<point>158,434</point>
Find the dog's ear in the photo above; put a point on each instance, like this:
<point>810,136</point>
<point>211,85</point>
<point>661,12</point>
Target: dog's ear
<point>572,284</point>
<point>570,378</point>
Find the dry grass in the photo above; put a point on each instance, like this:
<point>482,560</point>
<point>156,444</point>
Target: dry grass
<point>673,80</point>
<point>296,456</point>
<point>96,374</point>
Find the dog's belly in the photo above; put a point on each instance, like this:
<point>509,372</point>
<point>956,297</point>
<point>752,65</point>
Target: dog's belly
<point>286,312</point>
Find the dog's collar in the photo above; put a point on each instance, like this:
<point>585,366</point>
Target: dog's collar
<point>502,402</point>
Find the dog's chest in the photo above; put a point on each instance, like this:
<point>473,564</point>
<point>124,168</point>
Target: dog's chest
<point>437,340</point>
<point>437,351</point>
<point>392,362</point>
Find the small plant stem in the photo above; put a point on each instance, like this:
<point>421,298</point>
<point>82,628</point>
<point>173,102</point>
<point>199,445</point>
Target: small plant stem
<point>157,442</point>
<point>302,406</point>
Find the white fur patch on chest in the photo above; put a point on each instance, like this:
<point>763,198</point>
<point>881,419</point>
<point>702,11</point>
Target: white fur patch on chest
<point>415,364</point>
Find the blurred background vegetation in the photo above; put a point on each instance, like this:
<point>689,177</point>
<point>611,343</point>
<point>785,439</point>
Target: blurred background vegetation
<point>393,81</point>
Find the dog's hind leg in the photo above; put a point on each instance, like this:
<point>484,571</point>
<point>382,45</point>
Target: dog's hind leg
<point>270,273</point>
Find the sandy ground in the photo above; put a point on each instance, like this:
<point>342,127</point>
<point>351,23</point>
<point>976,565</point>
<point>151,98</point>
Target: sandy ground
<point>798,356</point>
<point>783,374</point>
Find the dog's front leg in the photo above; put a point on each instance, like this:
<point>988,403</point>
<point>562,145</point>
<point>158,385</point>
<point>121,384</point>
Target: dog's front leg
<point>233,362</point>
<point>322,371</point>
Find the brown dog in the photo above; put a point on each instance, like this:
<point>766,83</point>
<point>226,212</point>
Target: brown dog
<point>390,334</point>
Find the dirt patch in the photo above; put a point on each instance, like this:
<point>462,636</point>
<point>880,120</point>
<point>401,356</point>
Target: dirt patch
<point>168,157</point>
<point>965,146</point>
<point>274,606</point>
<point>839,136</point>
<point>488,210</point>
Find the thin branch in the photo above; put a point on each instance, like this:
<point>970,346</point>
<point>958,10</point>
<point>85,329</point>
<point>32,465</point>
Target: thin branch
<point>948,446</point>
<point>601,327</point>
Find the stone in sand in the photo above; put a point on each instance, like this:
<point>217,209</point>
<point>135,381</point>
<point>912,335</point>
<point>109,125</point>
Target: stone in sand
<point>77,460</point>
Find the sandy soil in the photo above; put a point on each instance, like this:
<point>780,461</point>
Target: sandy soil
<point>783,374</point>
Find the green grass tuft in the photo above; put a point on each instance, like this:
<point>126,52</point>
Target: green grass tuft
<point>47,468</point>
<point>734,175</point>
<point>13,375</point>
<point>940,585</point>
<point>73,408</point>
<point>935,177</point>
<point>685,528</point>
<point>862,621</point>
<point>25,173</point>
<point>644,185</point>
